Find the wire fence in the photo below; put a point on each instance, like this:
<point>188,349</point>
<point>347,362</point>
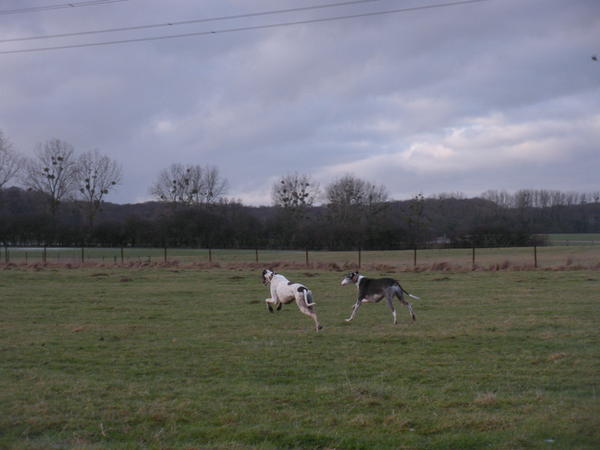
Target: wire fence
<point>534,257</point>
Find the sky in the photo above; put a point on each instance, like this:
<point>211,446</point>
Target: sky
<point>422,99</point>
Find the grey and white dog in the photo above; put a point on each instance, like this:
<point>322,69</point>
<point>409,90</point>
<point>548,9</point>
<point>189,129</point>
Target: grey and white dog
<point>284,291</point>
<point>372,290</point>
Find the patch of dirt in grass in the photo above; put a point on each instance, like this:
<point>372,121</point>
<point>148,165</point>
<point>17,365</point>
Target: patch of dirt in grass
<point>557,356</point>
<point>485,399</point>
<point>487,425</point>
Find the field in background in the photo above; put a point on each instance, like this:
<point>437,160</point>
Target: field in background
<point>117,357</point>
<point>485,258</point>
<point>574,238</point>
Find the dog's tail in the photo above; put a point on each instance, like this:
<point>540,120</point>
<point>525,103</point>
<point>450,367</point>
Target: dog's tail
<point>308,298</point>
<point>409,294</point>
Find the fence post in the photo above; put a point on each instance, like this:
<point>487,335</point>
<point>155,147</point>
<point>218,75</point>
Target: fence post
<point>415,257</point>
<point>122,255</point>
<point>256,255</point>
<point>165,254</point>
<point>535,262</point>
<point>82,255</point>
<point>473,259</point>
<point>359,257</point>
<point>306,256</point>
<point>44,255</point>
<point>210,255</point>
<point>6,258</point>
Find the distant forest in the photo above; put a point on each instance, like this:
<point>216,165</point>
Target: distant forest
<point>61,201</point>
<point>494,220</point>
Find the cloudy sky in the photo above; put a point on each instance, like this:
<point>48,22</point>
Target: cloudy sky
<point>496,94</point>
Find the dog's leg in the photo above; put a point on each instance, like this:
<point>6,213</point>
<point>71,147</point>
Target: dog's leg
<point>354,310</point>
<point>410,310</point>
<point>273,302</point>
<point>400,294</point>
<point>304,309</point>
<point>390,302</point>
<point>408,304</point>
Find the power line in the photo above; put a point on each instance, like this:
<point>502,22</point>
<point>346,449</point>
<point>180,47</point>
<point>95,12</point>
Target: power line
<point>247,28</point>
<point>59,6</point>
<point>190,22</point>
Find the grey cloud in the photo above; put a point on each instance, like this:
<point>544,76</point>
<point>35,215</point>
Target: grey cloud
<point>355,95</point>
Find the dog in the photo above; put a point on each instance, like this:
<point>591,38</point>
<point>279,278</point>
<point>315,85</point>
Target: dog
<point>372,290</point>
<point>284,291</point>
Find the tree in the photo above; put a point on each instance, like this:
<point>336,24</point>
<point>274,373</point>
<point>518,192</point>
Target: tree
<point>53,171</point>
<point>354,205</point>
<point>10,162</point>
<point>97,175</point>
<point>349,196</point>
<point>417,221</point>
<point>213,188</point>
<point>189,185</point>
<point>295,193</point>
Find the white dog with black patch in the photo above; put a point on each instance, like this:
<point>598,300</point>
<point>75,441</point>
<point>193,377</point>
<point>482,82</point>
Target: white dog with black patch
<point>284,291</point>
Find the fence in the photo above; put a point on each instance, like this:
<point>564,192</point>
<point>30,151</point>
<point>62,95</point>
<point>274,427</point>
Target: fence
<point>537,257</point>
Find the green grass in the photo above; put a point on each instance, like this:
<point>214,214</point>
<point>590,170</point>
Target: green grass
<point>183,358</point>
<point>573,238</point>
<point>585,255</point>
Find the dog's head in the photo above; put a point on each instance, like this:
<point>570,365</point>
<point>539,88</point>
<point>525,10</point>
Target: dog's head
<point>352,277</point>
<point>267,275</point>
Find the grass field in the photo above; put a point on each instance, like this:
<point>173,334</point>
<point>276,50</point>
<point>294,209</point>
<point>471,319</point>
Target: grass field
<point>574,238</point>
<point>183,358</point>
<point>485,258</point>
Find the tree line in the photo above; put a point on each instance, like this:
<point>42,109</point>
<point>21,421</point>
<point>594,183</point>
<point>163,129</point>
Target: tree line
<point>58,198</point>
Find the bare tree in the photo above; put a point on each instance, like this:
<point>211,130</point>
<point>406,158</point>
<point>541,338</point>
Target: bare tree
<point>10,162</point>
<point>189,185</point>
<point>350,195</point>
<point>417,220</point>
<point>295,193</point>
<point>213,188</point>
<point>500,198</point>
<point>168,187</point>
<point>97,175</point>
<point>53,171</point>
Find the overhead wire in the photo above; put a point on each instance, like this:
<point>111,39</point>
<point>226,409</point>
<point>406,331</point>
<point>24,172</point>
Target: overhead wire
<point>246,28</point>
<point>31,9</point>
<point>191,21</point>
